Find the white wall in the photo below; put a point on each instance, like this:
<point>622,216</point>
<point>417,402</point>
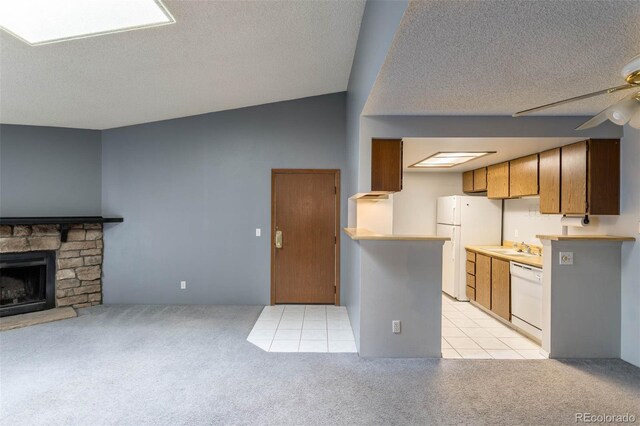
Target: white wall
<point>414,208</point>
<point>522,221</point>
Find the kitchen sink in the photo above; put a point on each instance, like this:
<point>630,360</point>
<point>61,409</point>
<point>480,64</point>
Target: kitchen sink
<point>512,252</point>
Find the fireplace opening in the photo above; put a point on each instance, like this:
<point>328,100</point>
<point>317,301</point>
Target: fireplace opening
<point>27,282</point>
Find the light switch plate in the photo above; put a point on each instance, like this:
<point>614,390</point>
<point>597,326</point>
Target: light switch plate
<point>258,232</point>
<point>183,285</point>
<point>566,258</point>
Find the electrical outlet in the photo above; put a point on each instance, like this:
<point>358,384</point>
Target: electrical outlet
<point>395,325</point>
<point>258,232</point>
<point>183,285</point>
<point>517,233</point>
<point>566,258</point>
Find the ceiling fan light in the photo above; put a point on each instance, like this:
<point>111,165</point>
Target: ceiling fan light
<point>622,112</point>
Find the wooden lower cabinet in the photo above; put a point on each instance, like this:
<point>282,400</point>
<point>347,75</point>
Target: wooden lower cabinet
<point>471,281</point>
<point>471,293</point>
<point>483,280</point>
<point>501,288</point>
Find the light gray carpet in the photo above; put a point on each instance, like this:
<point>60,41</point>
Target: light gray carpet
<point>190,365</point>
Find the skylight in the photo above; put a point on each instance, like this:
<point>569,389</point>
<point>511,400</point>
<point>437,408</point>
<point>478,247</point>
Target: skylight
<point>449,159</point>
<point>39,22</point>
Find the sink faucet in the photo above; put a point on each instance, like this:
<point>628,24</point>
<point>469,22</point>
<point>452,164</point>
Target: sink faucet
<point>527,248</point>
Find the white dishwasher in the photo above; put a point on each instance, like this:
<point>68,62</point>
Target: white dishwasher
<point>526,298</point>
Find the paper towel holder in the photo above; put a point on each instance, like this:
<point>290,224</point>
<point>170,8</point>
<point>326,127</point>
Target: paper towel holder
<point>565,229</point>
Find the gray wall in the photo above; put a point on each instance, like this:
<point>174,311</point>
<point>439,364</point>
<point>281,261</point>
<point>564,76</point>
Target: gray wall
<point>379,23</point>
<point>193,191</point>
<point>49,171</point>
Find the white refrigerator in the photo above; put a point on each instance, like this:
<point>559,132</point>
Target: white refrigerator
<point>467,221</point>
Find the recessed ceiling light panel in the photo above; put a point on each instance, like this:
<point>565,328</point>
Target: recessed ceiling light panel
<point>449,159</point>
<point>39,22</point>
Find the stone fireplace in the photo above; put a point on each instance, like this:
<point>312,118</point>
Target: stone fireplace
<point>77,266</point>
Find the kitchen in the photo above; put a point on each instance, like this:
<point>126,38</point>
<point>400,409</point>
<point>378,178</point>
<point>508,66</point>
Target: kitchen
<point>503,203</point>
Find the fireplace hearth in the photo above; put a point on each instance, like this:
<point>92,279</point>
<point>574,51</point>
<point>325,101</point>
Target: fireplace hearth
<point>27,282</point>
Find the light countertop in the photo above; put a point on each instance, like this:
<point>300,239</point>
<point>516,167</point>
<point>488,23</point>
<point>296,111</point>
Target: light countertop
<point>584,238</point>
<point>365,234</point>
<point>525,259</point>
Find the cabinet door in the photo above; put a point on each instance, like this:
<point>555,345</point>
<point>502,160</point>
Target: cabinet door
<point>604,177</point>
<point>523,176</point>
<point>574,178</point>
<point>480,179</point>
<point>498,180</point>
<point>467,181</point>
<point>501,288</point>
<point>550,181</point>
<point>386,165</point>
<point>483,280</point>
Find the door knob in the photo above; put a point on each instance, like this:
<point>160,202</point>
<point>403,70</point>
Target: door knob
<point>278,239</point>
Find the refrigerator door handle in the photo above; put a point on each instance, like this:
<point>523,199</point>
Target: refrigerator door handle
<point>453,243</point>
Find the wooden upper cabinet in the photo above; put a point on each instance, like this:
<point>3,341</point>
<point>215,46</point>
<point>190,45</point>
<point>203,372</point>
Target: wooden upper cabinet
<point>523,176</point>
<point>475,180</point>
<point>483,280</point>
<point>480,179</point>
<point>590,177</point>
<point>501,288</point>
<point>550,181</point>
<point>498,181</point>
<point>574,178</point>
<point>386,165</point>
<point>467,181</point>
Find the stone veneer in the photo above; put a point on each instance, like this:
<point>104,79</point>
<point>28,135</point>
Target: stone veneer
<point>78,261</point>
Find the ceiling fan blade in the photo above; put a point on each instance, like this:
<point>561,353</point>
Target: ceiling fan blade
<point>577,98</point>
<point>596,120</point>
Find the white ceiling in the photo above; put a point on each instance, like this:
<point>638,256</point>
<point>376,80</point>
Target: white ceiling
<point>417,149</point>
<point>496,57</point>
<point>219,55</point>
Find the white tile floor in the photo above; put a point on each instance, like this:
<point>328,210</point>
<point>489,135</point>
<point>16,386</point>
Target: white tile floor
<point>303,328</point>
<point>467,332</point>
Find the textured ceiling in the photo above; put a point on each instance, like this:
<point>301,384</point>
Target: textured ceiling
<point>497,57</point>
<point>219,55</point>
<point>417,149</point>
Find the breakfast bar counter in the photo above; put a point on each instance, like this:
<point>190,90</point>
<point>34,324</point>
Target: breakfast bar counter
<point>400,279</point>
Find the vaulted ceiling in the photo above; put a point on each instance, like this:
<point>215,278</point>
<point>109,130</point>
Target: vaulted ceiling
<point>496,57</point>
<point>453,57</point>
<point>218,55</point>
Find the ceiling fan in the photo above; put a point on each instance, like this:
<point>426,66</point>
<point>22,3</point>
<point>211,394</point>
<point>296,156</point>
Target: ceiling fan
<point>627,110</point>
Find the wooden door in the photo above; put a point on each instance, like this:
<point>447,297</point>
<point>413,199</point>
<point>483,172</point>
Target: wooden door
<point>574,178</point>
<point>386,165</point>
<point>523,176</point>
<point>501,288</point>
<point>550,181</point>
<point>480,179</point>
<point>483,280</point>
<point>498,181</point>
<point>305,209</point>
